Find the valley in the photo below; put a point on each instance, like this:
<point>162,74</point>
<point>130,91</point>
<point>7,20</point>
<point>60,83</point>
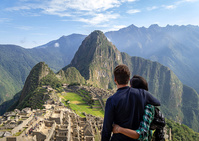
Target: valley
<point>84,85</point>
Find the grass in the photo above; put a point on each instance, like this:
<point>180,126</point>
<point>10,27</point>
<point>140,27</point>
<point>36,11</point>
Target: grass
<point>97,136</point>
<point>19,133</point>
<point>6,130</point>
<point>79,105</point>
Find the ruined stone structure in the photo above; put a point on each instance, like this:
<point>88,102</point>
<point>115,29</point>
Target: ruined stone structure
<point>53,123</point>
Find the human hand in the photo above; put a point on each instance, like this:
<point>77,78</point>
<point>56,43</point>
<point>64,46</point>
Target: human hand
<point>116,128</point>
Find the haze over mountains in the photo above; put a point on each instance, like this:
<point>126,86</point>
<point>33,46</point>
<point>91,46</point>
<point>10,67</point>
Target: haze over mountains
<point>93,64</point>
<point>176,47</point>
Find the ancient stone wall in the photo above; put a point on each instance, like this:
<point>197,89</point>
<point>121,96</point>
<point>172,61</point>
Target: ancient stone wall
<point>20,127</point>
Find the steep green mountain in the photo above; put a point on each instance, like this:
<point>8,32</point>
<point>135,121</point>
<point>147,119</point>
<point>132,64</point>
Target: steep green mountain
<point>34,92</point>
<point>190,106</point>
<point>7,85</point>
<point>163,83</point>
<point>33,95</point>
<point>16,62</point>
<point>71,75</point>
<point>97,57</point>
<point>176,47</point>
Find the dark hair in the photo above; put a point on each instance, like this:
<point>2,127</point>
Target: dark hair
<point>139,82</point>
<point>122,74</point>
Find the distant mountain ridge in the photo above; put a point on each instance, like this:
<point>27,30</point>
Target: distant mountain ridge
<point>176,47</point>
<point>16,62</point>
<point>173,46</point>
<point>179,102</point>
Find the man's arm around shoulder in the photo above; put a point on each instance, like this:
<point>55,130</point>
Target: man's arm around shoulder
<point>151,100</point>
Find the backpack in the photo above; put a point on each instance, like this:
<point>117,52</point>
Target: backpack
<point>158,125</point>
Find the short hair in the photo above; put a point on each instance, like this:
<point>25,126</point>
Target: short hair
<point>122,74</point>
<point>139,82</point>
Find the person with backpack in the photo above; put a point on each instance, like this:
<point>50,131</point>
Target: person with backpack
<point>153,119</point>
<point>126,107</point>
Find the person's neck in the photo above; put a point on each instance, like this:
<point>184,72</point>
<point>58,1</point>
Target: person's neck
<point>121,86</point>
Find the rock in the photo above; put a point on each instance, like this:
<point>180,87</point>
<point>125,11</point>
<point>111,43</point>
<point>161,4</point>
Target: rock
<point>1,134</point>
<point>7,134</point>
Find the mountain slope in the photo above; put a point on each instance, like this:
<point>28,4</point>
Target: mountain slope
<point>16,62</point>
<point>33,95</point>
<point>95,60</point>
<point>71,75</point>
<point>176,47</point>
<point>64,48</point>
<point>97,57</point>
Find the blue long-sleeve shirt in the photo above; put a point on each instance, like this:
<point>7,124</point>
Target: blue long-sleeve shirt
<point>125,108</point>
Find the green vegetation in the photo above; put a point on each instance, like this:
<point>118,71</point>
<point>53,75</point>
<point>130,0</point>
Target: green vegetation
<point>33,95</point>
<point>96,59</point>
<point>80,106</point>
<point>35,99</point>
<point>19,133</point>
<point>85,94</point>
<point>51,80</point>
<point>74,84</point>
<point>72,75</point>
<point>190,107</point>
<point>181,132</point>
<point>16,62</point>
<point>94,63</point>
<point>97,136</point>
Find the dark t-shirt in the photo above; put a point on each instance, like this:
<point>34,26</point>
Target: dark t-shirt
<point>125,108</point>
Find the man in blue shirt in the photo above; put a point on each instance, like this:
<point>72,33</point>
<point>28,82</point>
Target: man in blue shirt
<point>125,107</point>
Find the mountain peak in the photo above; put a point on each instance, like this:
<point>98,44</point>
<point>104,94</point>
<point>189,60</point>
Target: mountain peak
<point>132,26</point>
<point>96,32</point>
<point>95,58</point>
<point>95,40</point>
<point>154,26</point>
<point>39,71</point>
<point>97,36</point>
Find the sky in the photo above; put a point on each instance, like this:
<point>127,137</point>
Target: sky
<point>30,23</point>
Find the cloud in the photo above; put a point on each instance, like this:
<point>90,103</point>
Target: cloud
<point>116,27</point>
<point>88,11</point>
<point>99,18</point>
<point>17,8</point>
<point>4,20</point>
<point>56,45</point>
<point>176,4</point>
<point>133,11</point>
<point>128,0</point>
<point>190,0</point>
<point>152,8</point>
<point>27,28</point>
<point>170,6</point>
<point>24,40</point>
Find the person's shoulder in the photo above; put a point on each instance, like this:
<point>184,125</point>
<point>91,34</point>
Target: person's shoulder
<point>146,92</point>
<point>139,92</point>
<point>110,98</point>
<point>136,91</point>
